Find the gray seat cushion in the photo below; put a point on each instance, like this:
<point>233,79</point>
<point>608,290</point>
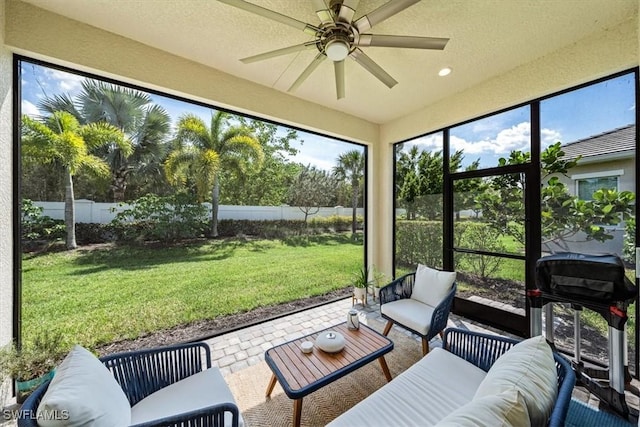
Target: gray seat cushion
<point>422,395</point>
<point>410,313</point>
<point>203,389</point>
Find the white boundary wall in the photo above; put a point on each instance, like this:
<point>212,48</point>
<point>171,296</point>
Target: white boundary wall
<point>88,211</point>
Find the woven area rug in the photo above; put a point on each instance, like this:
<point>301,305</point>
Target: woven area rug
<point>582,415</point>
<point>322,406</point>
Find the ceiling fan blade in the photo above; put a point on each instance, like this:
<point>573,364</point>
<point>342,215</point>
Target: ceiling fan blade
<point>339,69</point>
<point>323,11</point>
<point>402,41</point>
<point>270,14</point>
<point>347,10</point>
<point>278,52</point>
<point>385,11</point>
<point>307,71</point>
<point>368,64</point>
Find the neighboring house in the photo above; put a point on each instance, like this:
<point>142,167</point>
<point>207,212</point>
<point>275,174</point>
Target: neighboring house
<point>608,161</point>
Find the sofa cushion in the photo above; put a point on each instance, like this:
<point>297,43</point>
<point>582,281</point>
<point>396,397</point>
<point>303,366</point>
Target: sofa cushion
<point>197,391</point>
<point>432,388</point>
<point>410,313</point>
<point>505,409</point>
<point>530,368</point>
<point>87,393</point>
<point>432,286</point>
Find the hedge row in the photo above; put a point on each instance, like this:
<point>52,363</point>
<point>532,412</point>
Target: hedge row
<point>89,233</point>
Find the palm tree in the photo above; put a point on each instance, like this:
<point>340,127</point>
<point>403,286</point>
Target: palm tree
<point>201,152</point>
<point>145,124</point>
<point>59,138</point>
<point>350,168</point>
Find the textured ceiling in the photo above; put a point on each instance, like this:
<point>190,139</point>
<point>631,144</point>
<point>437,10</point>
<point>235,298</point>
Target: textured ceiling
<point>487,38</point>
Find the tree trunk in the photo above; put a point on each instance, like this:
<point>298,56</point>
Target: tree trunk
<point>69,211</point>
<point>215,202</point>
<point>119,184</point>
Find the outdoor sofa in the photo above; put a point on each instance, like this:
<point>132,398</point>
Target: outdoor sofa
<point>166,386</point>
<point>474,380</point>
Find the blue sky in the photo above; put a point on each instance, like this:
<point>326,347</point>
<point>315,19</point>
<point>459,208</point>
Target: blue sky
<point>566,118</point>
<point>38,82</point>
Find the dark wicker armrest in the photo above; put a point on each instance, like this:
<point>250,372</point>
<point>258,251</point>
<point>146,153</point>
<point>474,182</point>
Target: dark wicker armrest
<point>483,350</point>
<point>400,288</point>
<point>28,410</point>
<point>440,315</point>
<point>212,416</point>
<point>141,373</point>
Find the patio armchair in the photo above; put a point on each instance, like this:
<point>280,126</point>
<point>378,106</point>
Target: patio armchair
<point>419,302</point>
<point>166,386</point>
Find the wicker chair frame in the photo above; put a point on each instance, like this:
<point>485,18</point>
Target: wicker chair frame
<point>483,350</point>
<point>402,288</point>
<point>141,373</point>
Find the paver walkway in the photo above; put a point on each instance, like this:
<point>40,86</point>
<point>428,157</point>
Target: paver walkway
<point>243,348</point>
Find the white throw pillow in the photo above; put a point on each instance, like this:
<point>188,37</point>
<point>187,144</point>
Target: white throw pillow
<point>505,409</point>
<point>432,286</point>
<point>530,368</point>
<point>83,392</point>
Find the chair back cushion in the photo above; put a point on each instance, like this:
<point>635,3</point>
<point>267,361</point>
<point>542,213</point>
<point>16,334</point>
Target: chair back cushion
<point>83,392</point>
<point>432,286</point>
<point>530,368</point>
<point>507,409</point>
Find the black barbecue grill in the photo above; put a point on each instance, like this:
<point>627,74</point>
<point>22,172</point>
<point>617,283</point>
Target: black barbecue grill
<point>598,283</point>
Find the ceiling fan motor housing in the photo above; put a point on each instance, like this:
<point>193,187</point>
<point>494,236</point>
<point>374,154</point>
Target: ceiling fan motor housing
<point>337,41</point>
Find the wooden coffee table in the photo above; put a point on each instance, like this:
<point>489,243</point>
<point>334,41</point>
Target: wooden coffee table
<point>302,373</point>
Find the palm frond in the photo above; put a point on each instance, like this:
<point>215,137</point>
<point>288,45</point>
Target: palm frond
<point>117,105</point>
<point>62,102</point>
<point>95,166</point>
<point>101,133</point>
<point>192,130</point>
<point>177,165</point>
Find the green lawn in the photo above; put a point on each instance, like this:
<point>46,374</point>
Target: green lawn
<point>102,295</point>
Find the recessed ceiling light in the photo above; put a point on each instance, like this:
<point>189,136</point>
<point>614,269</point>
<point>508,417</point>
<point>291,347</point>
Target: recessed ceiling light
<point>444,72</point>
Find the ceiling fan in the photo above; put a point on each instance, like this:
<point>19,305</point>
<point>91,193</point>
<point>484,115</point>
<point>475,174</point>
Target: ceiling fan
<point>338,36</point>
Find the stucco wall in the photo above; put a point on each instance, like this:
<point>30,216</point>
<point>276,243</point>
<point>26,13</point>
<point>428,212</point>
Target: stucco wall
<point>626,180</point>
<point>6,197</point>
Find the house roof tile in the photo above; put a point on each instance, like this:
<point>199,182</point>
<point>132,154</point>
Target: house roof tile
<point>618,140</point>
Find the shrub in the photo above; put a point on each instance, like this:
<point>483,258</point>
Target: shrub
<point>166,219</point>
<point>334,223</point>
<point>36,226</point>
<point>87,233</point>
<point>629,244</point>
<point>419,242</point>
<point>479,236</point>
<point>269,229</point>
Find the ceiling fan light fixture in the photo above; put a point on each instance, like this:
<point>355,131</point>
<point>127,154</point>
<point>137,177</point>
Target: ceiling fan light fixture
<point>337,50</point>
<point>445,71</point>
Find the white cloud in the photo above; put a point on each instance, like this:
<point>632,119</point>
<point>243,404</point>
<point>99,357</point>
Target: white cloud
<point>549,136</point>
<point>29,109</point>
<point>305,159</point>
<point>516,137</point>
<point>430,143</point>
<point>632,108</point>
<point>64,82</point>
